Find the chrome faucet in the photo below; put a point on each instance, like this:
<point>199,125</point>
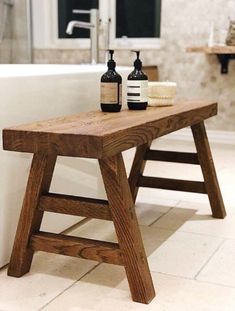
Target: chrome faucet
<point>93,25</point>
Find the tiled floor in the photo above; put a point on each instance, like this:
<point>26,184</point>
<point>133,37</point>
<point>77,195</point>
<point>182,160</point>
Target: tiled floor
<point>191,255</point>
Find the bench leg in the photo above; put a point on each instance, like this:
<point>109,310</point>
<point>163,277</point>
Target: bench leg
<point>208,170</point>
<point>137,169</point>
<point>127,228</point>
<point>30,218</point>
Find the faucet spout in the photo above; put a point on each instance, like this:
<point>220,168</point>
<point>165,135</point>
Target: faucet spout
<point>78,24</point>
<point>93,26</point>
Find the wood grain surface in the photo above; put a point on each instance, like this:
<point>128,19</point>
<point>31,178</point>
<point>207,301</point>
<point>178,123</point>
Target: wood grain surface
<point>127,228</point>
<point>30,218</point>
<point>73,205</point>
<point>208,170</point>
<point>99,135</point>
<point>137,168</point>
<point>77,247</point>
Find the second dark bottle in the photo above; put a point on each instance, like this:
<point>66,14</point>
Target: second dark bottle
<point>137,87</point>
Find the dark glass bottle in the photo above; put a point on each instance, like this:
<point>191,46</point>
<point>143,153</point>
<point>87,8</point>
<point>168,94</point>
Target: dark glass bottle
<point>111,88</point>
<point>137,87</point>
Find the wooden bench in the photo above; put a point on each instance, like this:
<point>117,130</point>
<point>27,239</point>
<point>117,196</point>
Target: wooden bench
<point>104,136</point>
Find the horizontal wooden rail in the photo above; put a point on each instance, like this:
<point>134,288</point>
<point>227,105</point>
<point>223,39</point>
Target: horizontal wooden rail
<point>73,205</point>
<point>172,184</point>
<point>172,156</point>
<point>77,247</point>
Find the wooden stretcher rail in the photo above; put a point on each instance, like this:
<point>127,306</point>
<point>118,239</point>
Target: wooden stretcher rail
<point>172,156</point>
<point>77,247</point>
<point>172,184</point>
<point>73,205</point>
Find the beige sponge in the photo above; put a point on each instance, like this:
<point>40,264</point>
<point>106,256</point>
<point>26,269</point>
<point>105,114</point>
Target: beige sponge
<point>161,93</point>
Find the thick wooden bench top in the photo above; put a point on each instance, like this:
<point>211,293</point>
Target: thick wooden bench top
<point>97,135</point>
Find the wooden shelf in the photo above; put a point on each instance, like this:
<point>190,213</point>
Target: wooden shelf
<point>224,54</point>
<point>212,50</point>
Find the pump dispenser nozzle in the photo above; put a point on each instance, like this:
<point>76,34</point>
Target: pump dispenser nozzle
<point>111,63</point>
<point>111,52</point>
<point>138,63</point>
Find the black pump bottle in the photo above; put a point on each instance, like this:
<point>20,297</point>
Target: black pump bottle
<point>111,88</point>
<point>137,87</point>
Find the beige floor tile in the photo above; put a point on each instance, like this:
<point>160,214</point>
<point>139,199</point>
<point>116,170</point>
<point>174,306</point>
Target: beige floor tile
<point>226,180</point>
<point>154,238</point>
<point>173,170</point>
<point>148,212</point>
<point>106,288</point>
<point>175,218</point>
<point>220,153</point>
<point>183,254</point>
<point>103,230</point>
<point>200,221</point>
<point>158,197</point>
<point>49,276</point>
<point>164,143</point>
<point>177,253</point>
<point>221,269</point>
<point>92,291</point>
<point>225,170</point>
<point>96,229</point>
<point>173,196</point>
<point>196,217</point>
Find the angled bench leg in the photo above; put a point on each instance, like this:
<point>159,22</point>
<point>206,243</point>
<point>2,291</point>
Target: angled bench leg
<point>137,168</point>
<point>208,170</point>
<point>127,228</point>
<point>30,218</point>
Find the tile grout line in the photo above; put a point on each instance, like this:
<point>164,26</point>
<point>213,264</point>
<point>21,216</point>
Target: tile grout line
<point>3,268</point>
<point>205,234</point>
<point>192,279</point>
<point>209,259</point>
<point>174,275</point>
<point>156,220</point>
<point>171,208</point>
<point>76,225</point>
<point>195,233</point>
<point>212,283</point>
<point>67,231</point>
<point>61,293</point>
<point>84,221</point>
<point>184,231</point>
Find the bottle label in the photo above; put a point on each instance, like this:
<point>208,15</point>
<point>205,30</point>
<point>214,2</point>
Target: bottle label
<point>111,93</point>
<point>137,91</point>
<point>120,94</point>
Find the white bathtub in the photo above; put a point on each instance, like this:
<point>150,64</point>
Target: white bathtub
<point>35,92</point>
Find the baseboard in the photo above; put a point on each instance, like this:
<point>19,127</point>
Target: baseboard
<point>219,137</point>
